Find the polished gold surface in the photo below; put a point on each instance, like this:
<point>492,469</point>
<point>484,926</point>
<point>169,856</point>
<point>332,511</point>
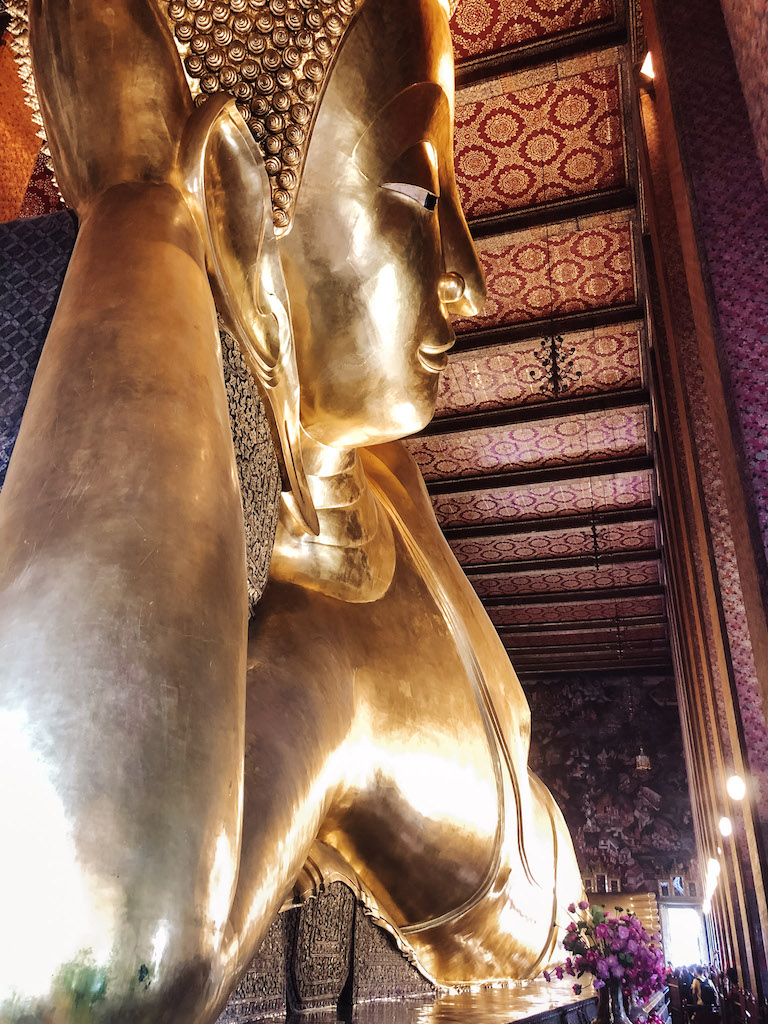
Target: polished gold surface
<point>166,771</point>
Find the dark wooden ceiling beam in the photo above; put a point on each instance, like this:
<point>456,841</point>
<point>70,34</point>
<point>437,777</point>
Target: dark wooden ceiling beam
<point>561,562</point>
<point>541,474</point>
<point>546,524</point>
<point>567,323</point>
<point>552,408</point>
<point>569,596</point>
<point>609,200</point>
<point>520,57</point>
<point>580,625</point>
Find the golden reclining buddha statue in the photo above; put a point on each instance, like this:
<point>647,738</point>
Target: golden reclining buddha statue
<point>167,764</point>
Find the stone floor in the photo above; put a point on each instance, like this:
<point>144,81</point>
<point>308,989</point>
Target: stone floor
<point>532,1001</point>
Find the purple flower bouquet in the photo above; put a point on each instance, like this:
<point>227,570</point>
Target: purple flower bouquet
<point>611,947</point>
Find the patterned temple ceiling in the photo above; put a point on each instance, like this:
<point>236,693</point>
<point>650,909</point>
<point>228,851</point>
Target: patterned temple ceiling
<point>583,610</point>
<point>554,269</point>
<point>552,581</point>
<point>520,142</point>
<point>486,26</point>
<point>542,501</point>
<point>564,544</point>
<point>505,376</point>
<point>567,637</point>
<point>552,543</point>
<point>580,438</point>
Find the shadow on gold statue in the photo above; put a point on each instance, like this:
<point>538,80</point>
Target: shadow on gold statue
<point>169,765</point>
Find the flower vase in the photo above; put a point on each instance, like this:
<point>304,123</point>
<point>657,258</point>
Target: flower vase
<point>610,1006</point>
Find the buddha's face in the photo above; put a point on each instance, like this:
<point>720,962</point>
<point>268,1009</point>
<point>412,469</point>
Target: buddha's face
<point>379,255</point>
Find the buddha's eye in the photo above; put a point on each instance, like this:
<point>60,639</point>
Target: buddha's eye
<point>419,195</point>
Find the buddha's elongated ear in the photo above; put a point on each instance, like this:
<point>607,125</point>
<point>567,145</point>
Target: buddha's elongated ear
<point>228,187</point>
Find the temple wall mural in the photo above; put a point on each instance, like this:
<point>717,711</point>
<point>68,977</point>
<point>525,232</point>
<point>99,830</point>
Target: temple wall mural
<point>628,825</point>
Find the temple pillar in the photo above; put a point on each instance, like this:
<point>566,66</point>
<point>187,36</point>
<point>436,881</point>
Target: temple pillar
<point>706,236</point>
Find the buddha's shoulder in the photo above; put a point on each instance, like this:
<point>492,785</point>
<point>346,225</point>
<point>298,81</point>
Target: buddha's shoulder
<point>393,471</point>
<point>398,482</point>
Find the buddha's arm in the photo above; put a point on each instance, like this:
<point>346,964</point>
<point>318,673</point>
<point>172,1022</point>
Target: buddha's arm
<point>123,609</point>
<point>122,604</point>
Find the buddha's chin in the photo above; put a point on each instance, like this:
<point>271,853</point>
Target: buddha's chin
<point>389,414</point>
<point>399,420</point>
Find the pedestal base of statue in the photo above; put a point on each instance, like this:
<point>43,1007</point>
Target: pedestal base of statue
<point>327,962</point>
<point>324,958</point>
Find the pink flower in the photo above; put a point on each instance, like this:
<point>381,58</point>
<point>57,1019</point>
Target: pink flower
<point>559,973</point>
<point>583,905</point>
<point>571,908</point>
<point>547,976</point>
<point>602,931</point>
<point>598,984</point>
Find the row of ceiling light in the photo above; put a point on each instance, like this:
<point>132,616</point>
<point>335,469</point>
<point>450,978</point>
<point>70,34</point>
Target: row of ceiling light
<point>736,788</point>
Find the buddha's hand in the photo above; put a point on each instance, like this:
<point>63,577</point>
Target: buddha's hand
<point>112,92</point>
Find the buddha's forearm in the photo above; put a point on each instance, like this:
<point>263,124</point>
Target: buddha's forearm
<point>122,587</point>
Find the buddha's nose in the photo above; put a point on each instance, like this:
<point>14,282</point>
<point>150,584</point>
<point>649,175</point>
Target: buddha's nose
<point>472,301</point>
<point>462,285</point>
<point>464,294</point>
<point>451,288</point>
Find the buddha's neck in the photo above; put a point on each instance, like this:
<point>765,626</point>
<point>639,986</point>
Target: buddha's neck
<point>353,556</point>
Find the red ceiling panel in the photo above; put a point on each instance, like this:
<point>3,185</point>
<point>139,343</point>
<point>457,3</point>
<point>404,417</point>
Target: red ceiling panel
<point>629,634</point>
<point>484,26</point>
<point>575,611</point>
<point>584,437</point>
<point>500,376</point>
<point>552,581</point>
<point>553,140</point>
<point>517,547</point>
<point>546,271</point>
<point>608,656</point>
<point>536,501</point>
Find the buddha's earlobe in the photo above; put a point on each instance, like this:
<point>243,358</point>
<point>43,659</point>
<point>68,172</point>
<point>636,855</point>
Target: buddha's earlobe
<point>227,185</point>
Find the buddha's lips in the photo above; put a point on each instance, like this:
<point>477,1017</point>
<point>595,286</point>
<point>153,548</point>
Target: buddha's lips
<point>435,357</point>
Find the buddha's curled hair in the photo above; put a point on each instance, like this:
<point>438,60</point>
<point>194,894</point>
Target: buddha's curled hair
<point>273,57</point>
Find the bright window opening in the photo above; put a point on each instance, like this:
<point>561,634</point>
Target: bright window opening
<point>684,941</point>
